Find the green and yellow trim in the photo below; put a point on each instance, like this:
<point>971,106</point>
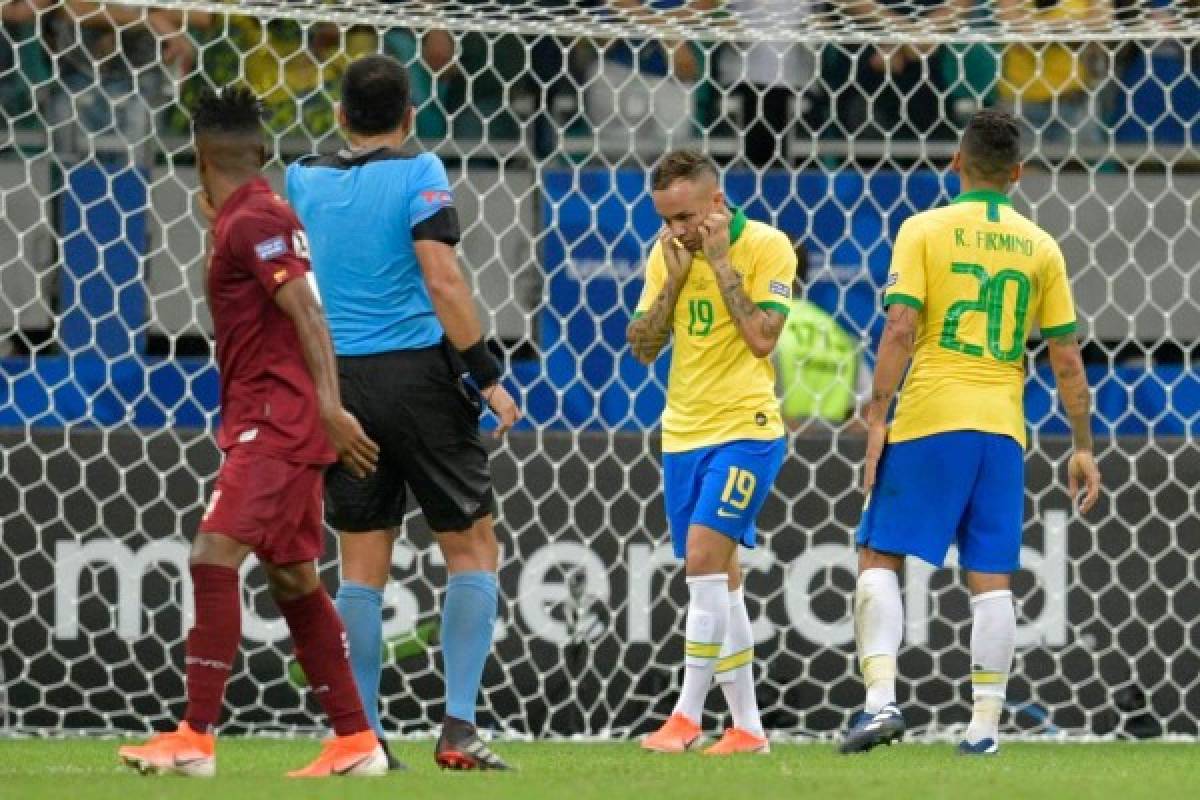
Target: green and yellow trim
<point>702,650</point>
<point>993,199</point>
<point>639,314</point>
<point>902,299</point>
<point>736,225</point>
<point>738,659</point>
<point>768,305</point>
<point>983,678</point>
<point>1055,331</point>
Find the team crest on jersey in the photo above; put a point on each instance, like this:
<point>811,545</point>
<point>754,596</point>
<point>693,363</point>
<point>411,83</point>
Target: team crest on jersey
<point>780,288</point>
<point>274,247</point>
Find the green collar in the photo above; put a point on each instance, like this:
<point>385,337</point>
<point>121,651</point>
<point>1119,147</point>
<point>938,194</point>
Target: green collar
<point>984,196</point>
<point>737,224</point>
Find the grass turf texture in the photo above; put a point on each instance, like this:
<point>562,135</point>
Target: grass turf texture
<point>253,768</point>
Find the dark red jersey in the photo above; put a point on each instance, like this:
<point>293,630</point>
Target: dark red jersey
<point>268,398</point>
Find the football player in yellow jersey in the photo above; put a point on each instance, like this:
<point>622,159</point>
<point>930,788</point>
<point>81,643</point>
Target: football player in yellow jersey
<point>968,283</point>
<point>719,285</point>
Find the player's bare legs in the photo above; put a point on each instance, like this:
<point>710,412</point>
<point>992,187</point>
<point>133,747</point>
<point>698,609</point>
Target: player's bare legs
<point>993,640</point>
<point>468,622</point>
<point>878,627</point>
<point>735,675</point>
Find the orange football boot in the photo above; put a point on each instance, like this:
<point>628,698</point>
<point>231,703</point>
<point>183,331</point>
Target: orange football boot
<point>739,740</point>
<point>183,751</point>
<point>356,754</point>
<point>676,735</point>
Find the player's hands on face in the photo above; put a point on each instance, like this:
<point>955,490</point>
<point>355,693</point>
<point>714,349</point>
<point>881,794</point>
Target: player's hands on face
<point>676,256</point>
<point>357,452</point>
<point>503,406</point>
<point>1082,472</point>
<point>714,231</point>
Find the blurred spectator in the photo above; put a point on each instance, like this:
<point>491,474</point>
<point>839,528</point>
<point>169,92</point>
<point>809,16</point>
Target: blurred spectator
<point>294,68</point>
<point>773,85</point>
<point>23,63</point>
<point>642,90</point>
<point>1049,86</point>
<point>893,90</point>
<point>114,65</point>
<point>821,374</point>
<point>970,71</point>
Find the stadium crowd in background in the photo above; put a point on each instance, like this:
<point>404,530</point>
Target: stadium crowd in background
<point>69,58</point>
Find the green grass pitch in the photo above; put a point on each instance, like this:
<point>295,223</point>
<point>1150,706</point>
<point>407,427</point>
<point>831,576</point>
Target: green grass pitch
<point>73,769</point>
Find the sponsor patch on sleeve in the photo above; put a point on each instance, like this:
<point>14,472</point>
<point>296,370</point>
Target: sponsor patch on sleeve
<point>780,288</point>
<point>892,280</point>
<point>271,248</point>
<point>438,198</point>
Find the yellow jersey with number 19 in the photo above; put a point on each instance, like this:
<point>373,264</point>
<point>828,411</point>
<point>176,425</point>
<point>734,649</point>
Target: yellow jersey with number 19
<point>717,390</point>
<point>982,276</point>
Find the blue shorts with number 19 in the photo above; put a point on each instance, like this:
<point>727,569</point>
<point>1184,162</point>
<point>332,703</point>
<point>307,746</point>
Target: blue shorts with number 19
<point>722,487</point>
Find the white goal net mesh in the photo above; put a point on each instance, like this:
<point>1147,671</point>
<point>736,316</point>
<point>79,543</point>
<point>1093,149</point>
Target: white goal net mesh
<point>832,120</point>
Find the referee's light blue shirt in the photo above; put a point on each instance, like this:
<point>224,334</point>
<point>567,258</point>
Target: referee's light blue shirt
<point>359,210</point>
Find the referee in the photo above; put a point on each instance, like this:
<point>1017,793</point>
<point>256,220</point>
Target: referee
<point>416,371</point>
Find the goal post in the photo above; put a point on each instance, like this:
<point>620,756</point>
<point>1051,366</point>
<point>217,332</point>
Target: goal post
<point>832,121</point>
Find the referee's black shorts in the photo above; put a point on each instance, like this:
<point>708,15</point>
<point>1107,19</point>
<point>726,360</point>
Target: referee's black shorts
<point>425,419</point>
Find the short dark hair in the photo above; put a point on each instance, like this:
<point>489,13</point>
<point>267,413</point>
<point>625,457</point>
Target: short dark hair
<point>375,95</point>
<point>235,110</point>
<point>991,144</point>
<point>681,165</point>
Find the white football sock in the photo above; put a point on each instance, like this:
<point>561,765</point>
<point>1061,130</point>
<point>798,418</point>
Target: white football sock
<point>735,670</point>
<point>878,628</point>
<point>993,639</point>
<point>707,621</point>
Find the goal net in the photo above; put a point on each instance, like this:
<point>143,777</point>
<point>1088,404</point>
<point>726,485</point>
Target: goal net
<point>832,121</point>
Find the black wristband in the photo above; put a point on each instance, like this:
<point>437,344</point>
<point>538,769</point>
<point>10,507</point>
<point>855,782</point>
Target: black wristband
<point>484,369</point>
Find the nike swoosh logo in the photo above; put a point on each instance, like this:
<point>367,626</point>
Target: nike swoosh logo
<point>723,513</point>
<point>187,762</point>
<point>352,767</point>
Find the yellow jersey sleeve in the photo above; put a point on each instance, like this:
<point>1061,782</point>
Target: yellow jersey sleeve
<point>656,276</point>
<point>906,280</point>
<point>1058,309</point>
<point>773,275</point>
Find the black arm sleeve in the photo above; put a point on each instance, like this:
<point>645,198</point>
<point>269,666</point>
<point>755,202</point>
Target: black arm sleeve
<point>441,227</point>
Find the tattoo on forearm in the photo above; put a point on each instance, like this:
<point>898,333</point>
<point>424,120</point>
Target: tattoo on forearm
<point>648,334</point>
<point>1073,390</point>
<point>740,305</point>
<point>772,325</point>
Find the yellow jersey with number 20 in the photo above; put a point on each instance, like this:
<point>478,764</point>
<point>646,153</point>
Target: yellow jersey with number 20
<point>717,390</point>
<point>982,276</point>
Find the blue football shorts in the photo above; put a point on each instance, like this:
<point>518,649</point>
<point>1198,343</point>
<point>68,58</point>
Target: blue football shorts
<point>722,487</point>
<point>961,487</point>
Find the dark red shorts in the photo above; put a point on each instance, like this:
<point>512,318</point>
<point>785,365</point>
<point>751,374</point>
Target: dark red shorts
<point>269,504</point>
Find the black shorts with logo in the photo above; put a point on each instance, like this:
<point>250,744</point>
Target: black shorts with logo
<point>425,419</point>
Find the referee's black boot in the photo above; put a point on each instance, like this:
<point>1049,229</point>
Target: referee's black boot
<point>394,764</point>
<point>459,747</point>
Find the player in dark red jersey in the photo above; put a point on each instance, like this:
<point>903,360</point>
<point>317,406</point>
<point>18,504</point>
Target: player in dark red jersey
<point>282,424</point>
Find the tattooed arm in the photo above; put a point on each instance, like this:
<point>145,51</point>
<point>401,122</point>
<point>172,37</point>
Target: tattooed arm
<point>648,334</point>
<point>1076,397</point>
<point>895,350</point>
<point>759,327</point>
